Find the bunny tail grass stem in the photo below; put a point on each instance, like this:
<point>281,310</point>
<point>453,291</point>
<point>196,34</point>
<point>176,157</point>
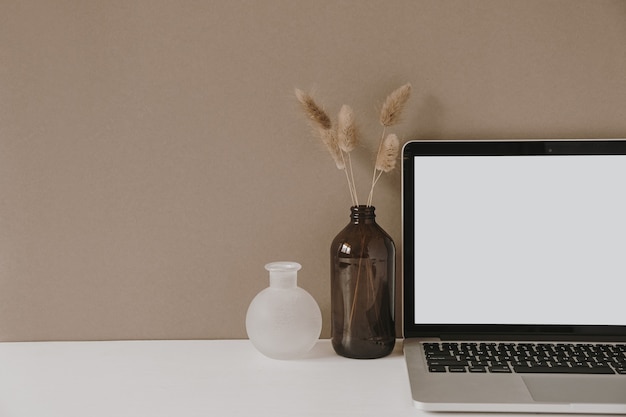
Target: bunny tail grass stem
<point>380,147</point>
<point>347,138</point>
<point>380,174</point>
<point>356,198</point>
<point>351,187</point>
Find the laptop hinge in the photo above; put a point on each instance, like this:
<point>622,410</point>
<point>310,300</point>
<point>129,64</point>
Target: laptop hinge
<point>533,337</point>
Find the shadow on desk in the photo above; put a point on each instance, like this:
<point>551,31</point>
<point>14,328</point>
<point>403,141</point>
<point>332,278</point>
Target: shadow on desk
<point>324,350</point>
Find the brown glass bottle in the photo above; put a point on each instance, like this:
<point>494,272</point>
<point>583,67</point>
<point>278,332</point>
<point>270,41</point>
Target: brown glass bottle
<point>362,288</point>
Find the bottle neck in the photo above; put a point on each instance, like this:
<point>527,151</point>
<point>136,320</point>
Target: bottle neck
<point>362,214</point>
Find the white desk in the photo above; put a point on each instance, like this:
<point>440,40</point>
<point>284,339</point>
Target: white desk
<point>195,378</point>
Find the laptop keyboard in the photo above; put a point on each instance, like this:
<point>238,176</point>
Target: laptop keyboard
<point>555,358</point>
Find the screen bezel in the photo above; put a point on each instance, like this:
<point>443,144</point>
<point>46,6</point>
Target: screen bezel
<point>491,148</point>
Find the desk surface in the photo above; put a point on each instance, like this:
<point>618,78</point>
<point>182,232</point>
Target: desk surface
<point>195,378</point>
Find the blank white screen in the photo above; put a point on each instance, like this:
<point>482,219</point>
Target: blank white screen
<point>520,240</point>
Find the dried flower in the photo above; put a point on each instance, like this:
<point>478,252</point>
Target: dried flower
<point>315,112</point>
<point>342,139</point>
<point>388,156</point>
<point>346,129</point>
<point>329,138</point>
<point>394,104</point>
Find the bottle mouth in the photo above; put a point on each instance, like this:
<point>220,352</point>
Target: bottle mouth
<point>363,209</point>
<point>283,266</point>
<point>362,212</point>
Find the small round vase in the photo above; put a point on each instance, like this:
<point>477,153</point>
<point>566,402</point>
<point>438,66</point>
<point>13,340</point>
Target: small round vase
<point>283,321</point>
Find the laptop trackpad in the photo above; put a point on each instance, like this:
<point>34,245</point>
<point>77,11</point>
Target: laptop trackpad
<point>578,389</point>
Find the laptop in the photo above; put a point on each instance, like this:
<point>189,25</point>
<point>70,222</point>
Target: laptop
<point>514,272</point>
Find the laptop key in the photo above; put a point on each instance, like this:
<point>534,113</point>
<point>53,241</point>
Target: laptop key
<point>440,357</point>
<point>437,369</point>
<point>456,369</point>
<point>563,370</point>
<point>500,369</point>
<point>478,369</point>
<point>448,362</point>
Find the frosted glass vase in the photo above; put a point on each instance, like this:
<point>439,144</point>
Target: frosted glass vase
<point>283,321</point>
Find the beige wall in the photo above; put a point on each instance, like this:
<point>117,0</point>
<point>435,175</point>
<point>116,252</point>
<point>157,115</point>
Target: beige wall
<point>152,157</point>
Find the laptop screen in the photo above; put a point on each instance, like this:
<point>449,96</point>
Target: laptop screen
<point>524,236</point>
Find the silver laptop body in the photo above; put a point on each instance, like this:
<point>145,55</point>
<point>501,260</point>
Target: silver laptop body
<point>510,244</point>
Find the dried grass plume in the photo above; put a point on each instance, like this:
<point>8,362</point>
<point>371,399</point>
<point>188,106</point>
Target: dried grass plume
<point>342,138</point>
<point>388,155</point>
<point>346,129</point>
<point>394,104</point>
<point>317,115</point>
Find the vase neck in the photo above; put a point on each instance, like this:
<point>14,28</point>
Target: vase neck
<point>362,214</point>
<point>283,274</point>
<point>283,280</point>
